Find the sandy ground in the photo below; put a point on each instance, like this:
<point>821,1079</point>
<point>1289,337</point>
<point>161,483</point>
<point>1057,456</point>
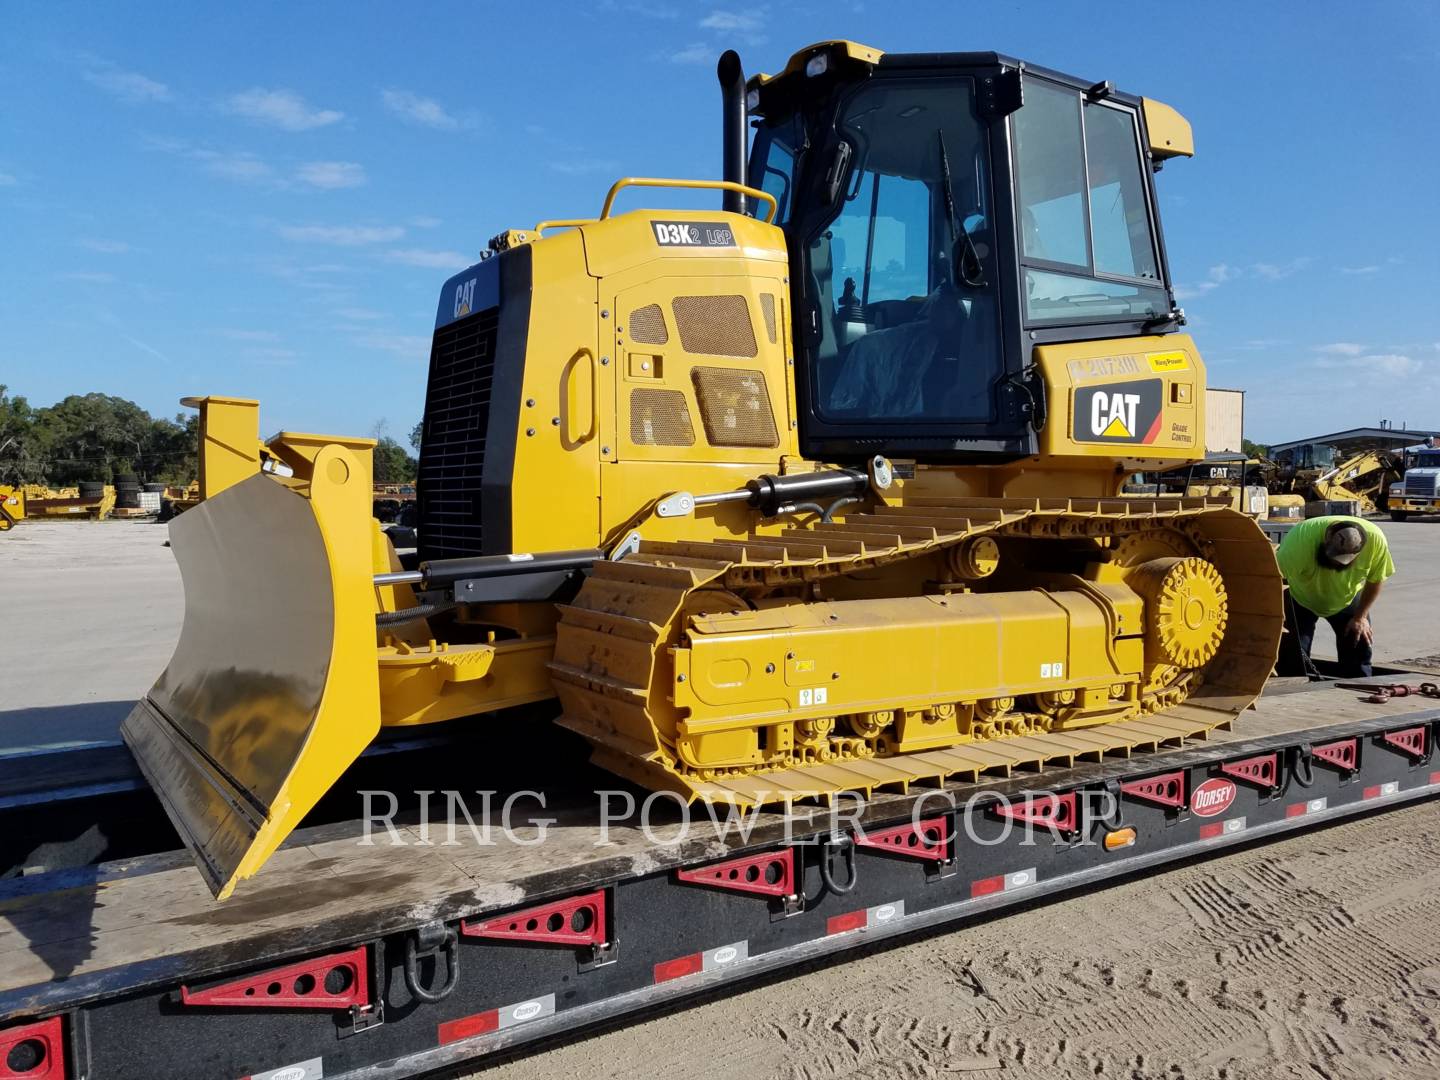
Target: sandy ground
<point>91,614</point>
<point>1313,957</point>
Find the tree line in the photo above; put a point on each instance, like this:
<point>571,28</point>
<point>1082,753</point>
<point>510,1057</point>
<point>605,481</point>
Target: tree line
<point>100,437</point>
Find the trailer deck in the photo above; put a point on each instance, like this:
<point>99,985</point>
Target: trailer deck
<point>130,967</point>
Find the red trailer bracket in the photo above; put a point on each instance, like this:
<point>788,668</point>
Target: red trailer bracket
<point>337,981</point>
<point>769,874</point>
<point>34,1051</point>
<point>579,920</point>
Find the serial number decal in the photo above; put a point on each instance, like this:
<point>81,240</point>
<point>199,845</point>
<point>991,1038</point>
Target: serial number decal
<point>1126,412</point>
<point>693,234</point>
<point>1103,367</point>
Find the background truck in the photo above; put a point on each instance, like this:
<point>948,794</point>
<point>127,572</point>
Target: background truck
<point>1419,491</point>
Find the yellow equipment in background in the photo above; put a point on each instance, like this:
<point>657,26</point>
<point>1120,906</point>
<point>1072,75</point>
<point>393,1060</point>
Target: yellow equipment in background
<point>1364,478</point>
<point>816,493</point>
<point>12,506</point>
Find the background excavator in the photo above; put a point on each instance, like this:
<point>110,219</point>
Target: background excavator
<point>819,492</point>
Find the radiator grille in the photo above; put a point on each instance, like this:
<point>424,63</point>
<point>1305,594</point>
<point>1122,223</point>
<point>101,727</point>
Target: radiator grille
<point>647,325</point>
<point>1423,484</point>
<point>767,309</point>
<point>660,418</point>
<point>714,325</point>
<point>452,450</point>
<point>735,407</point>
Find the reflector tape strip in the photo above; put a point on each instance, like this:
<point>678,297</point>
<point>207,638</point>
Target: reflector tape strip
<point>1380,791</point>
<point>866,918</point>
<point>1017,879</point>
<point>507,1016</point>
<point>314,1069</point>
<point>1310,806</point>
<point>1435,778</point>
<point>1227,827</point>
<point>709,960</point>
<point>42,1059</point>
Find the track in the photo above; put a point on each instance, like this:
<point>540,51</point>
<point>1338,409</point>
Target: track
<point>618,680</point>
<point>1313,956</point>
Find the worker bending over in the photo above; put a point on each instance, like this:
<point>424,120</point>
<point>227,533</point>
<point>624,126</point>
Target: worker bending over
<point>1334,567</point>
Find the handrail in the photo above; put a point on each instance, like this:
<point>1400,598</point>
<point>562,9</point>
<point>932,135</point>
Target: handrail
<point>561,223</point>
<point>708,185</point>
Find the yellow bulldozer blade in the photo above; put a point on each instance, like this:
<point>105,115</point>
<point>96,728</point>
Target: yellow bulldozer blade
<point>273,690</point>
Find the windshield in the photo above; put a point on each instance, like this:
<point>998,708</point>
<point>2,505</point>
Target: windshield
<point>902,269</point>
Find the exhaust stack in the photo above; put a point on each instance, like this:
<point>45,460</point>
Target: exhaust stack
<point>735,138</point>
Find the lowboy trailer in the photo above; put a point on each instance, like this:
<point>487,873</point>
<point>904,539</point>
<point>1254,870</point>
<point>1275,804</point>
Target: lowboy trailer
<point>394,959</point>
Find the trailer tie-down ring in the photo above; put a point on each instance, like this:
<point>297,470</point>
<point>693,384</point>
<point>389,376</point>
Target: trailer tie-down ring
<point>432,939</point>
<point>846,846</point>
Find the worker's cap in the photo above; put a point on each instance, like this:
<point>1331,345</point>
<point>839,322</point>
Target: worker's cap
<point>1343,542</point>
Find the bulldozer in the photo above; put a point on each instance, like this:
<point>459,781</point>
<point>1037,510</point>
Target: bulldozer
<point>818,492</point>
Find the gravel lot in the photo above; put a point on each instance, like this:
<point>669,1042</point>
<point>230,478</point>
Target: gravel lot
<point>1314,957</point>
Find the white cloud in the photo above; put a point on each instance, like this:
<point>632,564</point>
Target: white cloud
<point>1214,278</point>
<point>432,260</point>
<point>1393,364</point>
<point>342,235</point>
<point>1359,269</point>
<point>104,247</point>
<point>329,175</point>
<point>633,7</point>
<point>284,109</point>
<point>358,314</point>
<point>1358,359</point>
<point>129,86</point>
<point>1277,271</point>
<point>402,346</point>
<point>691,54</point>
<point>415,109</point>
<point>424,222</point>
<point>240,166</point>
<point>731,22</point>
<point>8,180</point>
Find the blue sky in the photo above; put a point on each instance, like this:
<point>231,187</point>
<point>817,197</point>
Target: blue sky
<point>263,199</point>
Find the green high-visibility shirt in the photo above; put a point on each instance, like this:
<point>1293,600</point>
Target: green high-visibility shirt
<point>1319,588</point>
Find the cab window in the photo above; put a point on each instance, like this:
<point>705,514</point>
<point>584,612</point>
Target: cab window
<point>1087,241</point>
<point>904,333</point>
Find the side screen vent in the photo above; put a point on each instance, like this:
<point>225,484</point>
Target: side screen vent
<point>735,407</point>
<point>647,325</point>
<point>452,448</point>
<point>660,418</point>
<point>767,310</point>
<point>715,325</point>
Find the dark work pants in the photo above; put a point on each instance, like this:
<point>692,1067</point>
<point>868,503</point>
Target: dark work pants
<point>1354,655</point>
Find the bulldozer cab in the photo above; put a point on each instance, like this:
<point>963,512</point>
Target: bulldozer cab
<point>945,214</point>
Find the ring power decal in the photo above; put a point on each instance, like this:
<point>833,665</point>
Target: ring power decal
<point>1127,412</point>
